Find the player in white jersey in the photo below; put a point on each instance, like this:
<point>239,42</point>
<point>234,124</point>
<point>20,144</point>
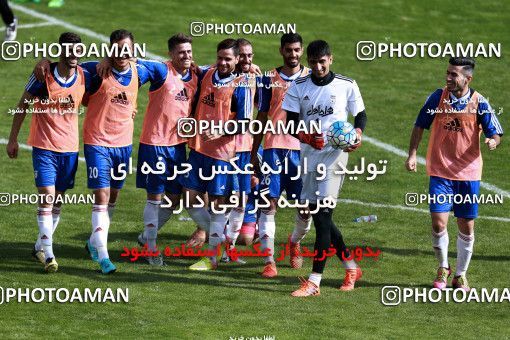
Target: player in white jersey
<point>325,97</point>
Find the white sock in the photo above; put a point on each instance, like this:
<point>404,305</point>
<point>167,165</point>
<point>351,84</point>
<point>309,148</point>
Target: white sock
<point>440,244</point>
<point>267,231</point>
<point>234,224</point>
<point>100,226</point>
<point>349,264</point>
<point>464,252</point>
<point>150,221</point>
<point>45,223</point>
<point>301,229</point>
<point>216,236</point>
<point>201,217</point>
<point>164,215</point>
<point>315,278</point>
<point>55,214</point>
<point>111,209</point>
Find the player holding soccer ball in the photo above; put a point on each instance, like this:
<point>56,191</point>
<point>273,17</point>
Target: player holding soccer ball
<point>457,115</point>
<point>325,97</point>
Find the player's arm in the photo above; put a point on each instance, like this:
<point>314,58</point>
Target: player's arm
<point>263,98</point>
<point>292,107</point>
<point>17,122</point>
<point>360,122</point>
<point>356,107</point>
<point>424,121</point>
<point>490,124</point>
<point>416,136</point>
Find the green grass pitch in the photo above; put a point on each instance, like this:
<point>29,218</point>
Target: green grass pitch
<point>234,301</point>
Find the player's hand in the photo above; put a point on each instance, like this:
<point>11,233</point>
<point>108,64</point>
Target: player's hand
<point>255,69</point>
<point>12,149</point>
<point>357,144</point>
<point>411,163</point>
<point>491,143</point>
<point>41,69</point>
<point>195,69</point>
<point>315,140</point>
<point>104,68</point>
<point>133,114</point>
<point>256,164</point>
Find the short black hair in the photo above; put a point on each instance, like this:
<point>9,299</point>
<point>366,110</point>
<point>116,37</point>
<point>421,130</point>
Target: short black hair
<point>467,63</point>
<point>119,35</point>
<point>229,44</point>
<point>69,38</point>
<point>177,39</point>
<point>290,38</point>
<point>318,49</point>
<point>243,42</point>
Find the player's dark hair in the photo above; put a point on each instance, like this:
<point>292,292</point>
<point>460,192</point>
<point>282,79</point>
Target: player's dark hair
<point>290,38</point>
<point>318,49</point>
<point>69,38</point>
<point>467,64</point>
<point>177,39</point>
<point>119,35</point>
<point>229,44</point>
<point>243,42</point>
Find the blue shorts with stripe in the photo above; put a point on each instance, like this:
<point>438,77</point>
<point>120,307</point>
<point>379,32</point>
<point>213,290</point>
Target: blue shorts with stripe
<point>53,168</point>
<point>289,162</point>
<point>171,157</point>
<point>202,179</point>
<point>444,193</point>
<point>100,162</point>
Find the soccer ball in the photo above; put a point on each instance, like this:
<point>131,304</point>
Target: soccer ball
<point>341,135</point>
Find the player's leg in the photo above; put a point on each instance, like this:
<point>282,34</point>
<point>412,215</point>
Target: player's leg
<point>237,214</point>
<point>310,287</point>
<point>267,223</point>
<point>99,164</point>
<point>194,189</point>
<point>45,164</point>
<point>466,214</point>
<point>293,184</point>
<point>175,157</point>
<point>440,242</point>
<point>440,207</point>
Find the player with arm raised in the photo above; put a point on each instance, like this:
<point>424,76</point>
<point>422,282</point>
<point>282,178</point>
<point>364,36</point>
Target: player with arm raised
<point>326,97</point>
<point>456,115</point>
<point>54,138</point>
<point>278,150</point>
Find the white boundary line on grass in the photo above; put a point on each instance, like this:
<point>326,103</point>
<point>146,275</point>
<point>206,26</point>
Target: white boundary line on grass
<point>38,24</point>
<point>104,38</point>
<point>340,200</point>
<point>71,27</point>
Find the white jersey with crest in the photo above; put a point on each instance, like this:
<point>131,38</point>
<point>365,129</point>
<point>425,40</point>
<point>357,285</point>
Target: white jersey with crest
<point>326,103</point>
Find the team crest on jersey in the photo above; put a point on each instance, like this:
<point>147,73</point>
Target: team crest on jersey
<point>453,125</point>
<point>332,99</point>
<point>306,98</point>
<point>208,99</point>
<point>182,95</point>
<point>320,110</point>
